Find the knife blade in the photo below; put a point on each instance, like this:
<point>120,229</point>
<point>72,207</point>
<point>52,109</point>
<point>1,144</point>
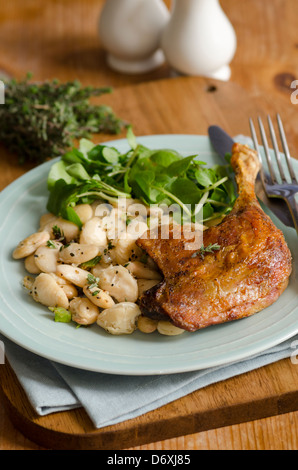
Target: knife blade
<point>222,144</point>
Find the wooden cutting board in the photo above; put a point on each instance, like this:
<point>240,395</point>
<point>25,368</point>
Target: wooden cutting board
<point>182,105</point>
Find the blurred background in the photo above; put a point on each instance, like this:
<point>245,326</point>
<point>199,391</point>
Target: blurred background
<point>59,39</point>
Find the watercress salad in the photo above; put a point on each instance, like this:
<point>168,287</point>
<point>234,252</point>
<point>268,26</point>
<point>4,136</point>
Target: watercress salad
<point>163,176</point>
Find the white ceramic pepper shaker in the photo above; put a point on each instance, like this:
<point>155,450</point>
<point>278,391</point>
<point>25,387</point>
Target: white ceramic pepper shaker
<point>199,39</point>
<point>130,31</point>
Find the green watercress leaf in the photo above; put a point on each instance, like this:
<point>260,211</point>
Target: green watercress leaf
<point>186,191</point>
<point>208,211</point>
<point>206,177</point>
<point>77,171</point>
<point>165,157</point>
<point>58,171</point>
<point>131,138</point>
<point>180,167</point>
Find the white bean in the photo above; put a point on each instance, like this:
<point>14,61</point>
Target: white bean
<point>73,274</point>
<point>92,233</point>
<point>108,255</point>
<point>120,319</point>
<point>59,279</point>
<point>137,210</point>
<point>69,229</point>
<point>46,257</point>
<point>46,291</point>
<point>48,227</point>
<point>28,246</point>
<point>126,249</point>
<point>136,228</point>
<point>114,223</point>
<point>69,290</point>
<point>102,210</point>
<point>119,283</point>
<point>98,296</point>
<point>166,328</point>
<point>147,325</point>
<point>77,253</point>
<point>95,207</point>
<point>98,268</point>
<point>84,211</point>
<point>30,265</point>
<point>142,271</point>
<point>28,282</point>
<point>145,284</point>
<point>83,311</point>
<point>47,219</point>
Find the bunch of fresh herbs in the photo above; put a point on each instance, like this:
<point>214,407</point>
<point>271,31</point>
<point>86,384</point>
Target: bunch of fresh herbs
<point>162,176</point>
<point>40,121</point>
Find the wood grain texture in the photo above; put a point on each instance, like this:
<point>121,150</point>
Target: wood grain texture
<point>58,39</point>
<point>211,408</point>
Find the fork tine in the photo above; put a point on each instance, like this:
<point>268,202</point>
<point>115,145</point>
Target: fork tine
<point>276,151</point>
<point>286,148</point>
<point>267,153</point>
<point>256,145</point>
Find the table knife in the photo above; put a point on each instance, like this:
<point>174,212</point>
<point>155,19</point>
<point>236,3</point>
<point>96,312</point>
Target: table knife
<point>222,144</point>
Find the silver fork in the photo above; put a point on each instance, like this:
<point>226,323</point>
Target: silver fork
<point>276,184</point>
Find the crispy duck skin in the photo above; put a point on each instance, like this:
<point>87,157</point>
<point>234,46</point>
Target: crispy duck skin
<point>247,274</point>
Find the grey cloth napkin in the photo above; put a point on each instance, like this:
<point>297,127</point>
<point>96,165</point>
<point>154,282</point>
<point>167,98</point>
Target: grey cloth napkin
<point>110,399</point>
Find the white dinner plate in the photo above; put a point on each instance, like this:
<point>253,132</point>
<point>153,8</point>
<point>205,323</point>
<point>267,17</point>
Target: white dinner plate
<point>31,325</point>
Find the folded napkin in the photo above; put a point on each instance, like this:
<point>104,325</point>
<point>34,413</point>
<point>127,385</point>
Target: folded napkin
<point>110,399</point>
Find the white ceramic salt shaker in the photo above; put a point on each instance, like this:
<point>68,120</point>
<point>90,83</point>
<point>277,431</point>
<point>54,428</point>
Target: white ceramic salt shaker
<point>199,39</point>
<point>130,31</point>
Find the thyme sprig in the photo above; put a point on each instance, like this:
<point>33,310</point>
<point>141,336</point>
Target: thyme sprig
<point>208,249</point>
<point>40,121</point>
<point>93,284</point>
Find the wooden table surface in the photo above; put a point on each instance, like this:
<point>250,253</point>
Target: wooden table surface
<point>58,39</point>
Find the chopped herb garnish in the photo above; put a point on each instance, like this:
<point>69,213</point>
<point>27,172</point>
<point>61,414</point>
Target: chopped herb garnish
<point>51,244</point>
<point>91,263</point>
<point>110,245</point>
<point>208,249</point>
<point>94,293</point>
<point>62,315</point>
<point>58,233</point>
<point>92,281</point>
